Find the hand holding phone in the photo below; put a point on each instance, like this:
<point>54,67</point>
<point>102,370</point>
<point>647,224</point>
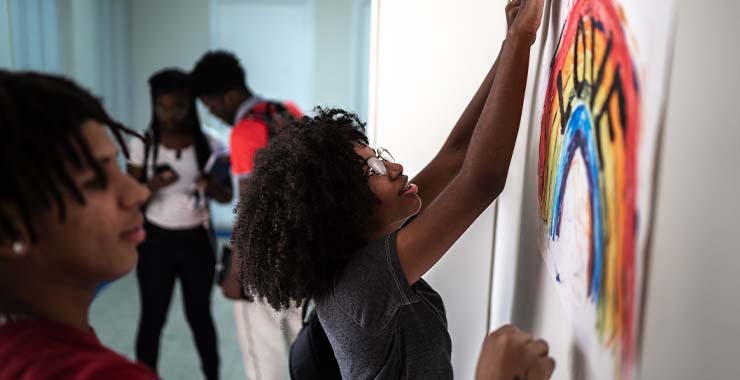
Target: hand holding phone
<point>164,175</point>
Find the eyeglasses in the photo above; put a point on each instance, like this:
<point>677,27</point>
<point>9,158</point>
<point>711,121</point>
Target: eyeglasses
<point>375,163</point>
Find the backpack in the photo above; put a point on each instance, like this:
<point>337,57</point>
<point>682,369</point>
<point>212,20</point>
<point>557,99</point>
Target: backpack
<point>311,355</point>
<point>275,116</point>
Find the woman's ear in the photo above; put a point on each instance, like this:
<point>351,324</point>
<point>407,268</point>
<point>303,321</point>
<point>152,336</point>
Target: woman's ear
<point>18,246</point>
<point>14,249</point>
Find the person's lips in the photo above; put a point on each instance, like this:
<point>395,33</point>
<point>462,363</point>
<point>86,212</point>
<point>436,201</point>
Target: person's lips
<point>135,235</point>
<point>408,188</point>
<point>411,189</point>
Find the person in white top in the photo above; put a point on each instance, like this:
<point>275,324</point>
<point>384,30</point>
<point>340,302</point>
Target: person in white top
<point>173,164</point>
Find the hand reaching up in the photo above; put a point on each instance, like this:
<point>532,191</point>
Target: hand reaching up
<point>524,17</point>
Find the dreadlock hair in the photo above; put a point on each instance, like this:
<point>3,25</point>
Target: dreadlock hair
<point>304,209</point>
<point>40,124</point>
<point>176,81</point>
<point>218,72</point>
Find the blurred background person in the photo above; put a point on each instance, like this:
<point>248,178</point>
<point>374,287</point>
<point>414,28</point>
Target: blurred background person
<point>180,241</point>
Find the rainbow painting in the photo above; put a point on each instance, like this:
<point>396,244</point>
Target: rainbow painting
<point>590,133</point>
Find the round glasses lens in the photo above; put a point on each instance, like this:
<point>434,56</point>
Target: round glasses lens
<point>376,165</point>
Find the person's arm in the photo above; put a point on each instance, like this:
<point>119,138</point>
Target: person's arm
<point>483,173</point>
<point>448,161</point>
<point>220,191</point>
<point>231,286</point>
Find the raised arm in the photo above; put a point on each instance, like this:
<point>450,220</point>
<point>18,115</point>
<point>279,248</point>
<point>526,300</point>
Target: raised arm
<point>447,163</point>
<point>483,173</point>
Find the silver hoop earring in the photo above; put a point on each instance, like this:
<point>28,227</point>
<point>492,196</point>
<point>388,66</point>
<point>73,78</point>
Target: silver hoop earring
<point>19,248</point>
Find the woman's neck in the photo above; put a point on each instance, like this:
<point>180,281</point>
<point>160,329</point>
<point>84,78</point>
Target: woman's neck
<point>62,305</point>
<point>177,139</point>
<point>381,231</point>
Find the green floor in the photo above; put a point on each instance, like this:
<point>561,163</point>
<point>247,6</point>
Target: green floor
<point>115,313</point>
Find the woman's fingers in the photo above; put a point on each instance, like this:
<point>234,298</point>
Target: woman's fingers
<point>541,369</point>
<point>538,348</point>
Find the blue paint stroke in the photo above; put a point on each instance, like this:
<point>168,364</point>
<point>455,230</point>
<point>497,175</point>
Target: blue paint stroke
<point>579,135</point>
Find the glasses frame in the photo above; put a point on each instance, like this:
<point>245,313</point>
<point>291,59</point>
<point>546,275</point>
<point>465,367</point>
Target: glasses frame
<point>376,164</point>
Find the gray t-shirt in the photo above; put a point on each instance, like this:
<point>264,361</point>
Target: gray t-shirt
<point>379,326</point>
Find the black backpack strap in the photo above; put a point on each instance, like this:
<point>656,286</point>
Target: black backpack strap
<point>311,355</point>
<point>145,165</point>
<point>274,116</point>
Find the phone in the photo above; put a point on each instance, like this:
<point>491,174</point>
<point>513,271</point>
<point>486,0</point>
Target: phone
<point>166,170</point>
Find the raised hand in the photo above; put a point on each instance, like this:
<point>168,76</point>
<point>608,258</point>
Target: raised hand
<point>525,17</point>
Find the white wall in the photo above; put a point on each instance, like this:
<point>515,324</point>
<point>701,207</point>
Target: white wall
<point>429,58</point>
<point>425,68</point>
<point>86,40</point>
<point>164,33</point>
<point>94,44</point>
<point>275,47</point>
<point>303,50</point>
<point>6,45</point>
<point>692,307</point>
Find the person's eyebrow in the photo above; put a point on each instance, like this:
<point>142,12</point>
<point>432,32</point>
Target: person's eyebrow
<point>106,158</point>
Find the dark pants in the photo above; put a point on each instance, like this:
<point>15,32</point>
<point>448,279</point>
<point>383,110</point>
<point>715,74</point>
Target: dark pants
<point>164,256</point>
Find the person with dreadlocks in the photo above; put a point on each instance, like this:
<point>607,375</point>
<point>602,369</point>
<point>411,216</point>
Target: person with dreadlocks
<point>219,81</point>
<point>328,218</point>
<point>70,219</point>
<point>179,245</point>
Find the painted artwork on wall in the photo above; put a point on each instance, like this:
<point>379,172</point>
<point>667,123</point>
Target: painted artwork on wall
<point>601,92</point>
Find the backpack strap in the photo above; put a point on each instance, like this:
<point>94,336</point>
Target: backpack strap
<point>145,165</point>
<point>311,355</point>
<point>274,115</point>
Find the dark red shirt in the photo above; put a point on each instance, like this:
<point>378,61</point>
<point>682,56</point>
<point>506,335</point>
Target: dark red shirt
<point>48,351</point>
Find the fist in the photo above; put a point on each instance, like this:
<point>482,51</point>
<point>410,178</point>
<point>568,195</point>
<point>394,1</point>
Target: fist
<point>511,354</point>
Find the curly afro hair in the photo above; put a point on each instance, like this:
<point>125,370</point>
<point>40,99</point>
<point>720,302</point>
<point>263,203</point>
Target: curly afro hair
<point>304,210</point>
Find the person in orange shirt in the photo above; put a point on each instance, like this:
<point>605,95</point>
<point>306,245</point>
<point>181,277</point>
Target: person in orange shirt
<point>219,81</point>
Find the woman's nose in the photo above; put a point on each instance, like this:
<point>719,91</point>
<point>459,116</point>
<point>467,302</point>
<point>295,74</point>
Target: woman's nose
<point>394,169</point>
<point>134,194</point>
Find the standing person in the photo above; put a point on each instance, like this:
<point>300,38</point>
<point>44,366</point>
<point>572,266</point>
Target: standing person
<point>326,217</point>
<point>70,219</point>
<point>219,81</point>
<point>177,219</point>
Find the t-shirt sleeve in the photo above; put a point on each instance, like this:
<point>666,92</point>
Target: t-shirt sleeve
<point>247,138</point>
<point>293,109</point>
<point>136,152</point>
<point>372,287</point>
<point>215,144</point>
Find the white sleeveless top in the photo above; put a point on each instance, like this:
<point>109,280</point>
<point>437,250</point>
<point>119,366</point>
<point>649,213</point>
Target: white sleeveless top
<point>176,206</point>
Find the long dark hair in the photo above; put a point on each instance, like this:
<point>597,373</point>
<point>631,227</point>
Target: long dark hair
<point>170,81</point>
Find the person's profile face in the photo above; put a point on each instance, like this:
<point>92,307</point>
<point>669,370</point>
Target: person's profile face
<point>398,198</point>
<point>96,241</point>
<point>218,106</point>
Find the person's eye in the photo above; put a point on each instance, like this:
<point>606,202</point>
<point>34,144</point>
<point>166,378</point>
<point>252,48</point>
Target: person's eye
<point>97,183</point>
